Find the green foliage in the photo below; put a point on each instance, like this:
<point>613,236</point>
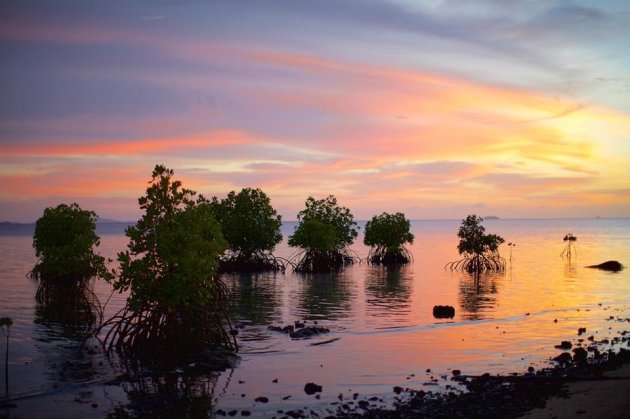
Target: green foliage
<point>175,298</point>
<point>337,223</point>
<point>473,240</point>
<point>251,227</point>
<point>64,239</point>
<point>387,234</point>
<point>480,250</point>
<point>324,233</point>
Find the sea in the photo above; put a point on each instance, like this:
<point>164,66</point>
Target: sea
<point>382,332</point>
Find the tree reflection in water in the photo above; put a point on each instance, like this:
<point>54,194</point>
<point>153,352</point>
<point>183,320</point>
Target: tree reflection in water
<point>388,290</point>
<point>66,316</point>
<point>254,298</point>
<point>324,296</point>
<point>478,294</point>
<point>174,394</point>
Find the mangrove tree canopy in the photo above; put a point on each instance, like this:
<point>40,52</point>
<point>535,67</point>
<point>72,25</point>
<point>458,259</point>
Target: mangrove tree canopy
<point>324,232</point>
<point>480,250</point>
<point>251,227</point>
<point>387,235</point>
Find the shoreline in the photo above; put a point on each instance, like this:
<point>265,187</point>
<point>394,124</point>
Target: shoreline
<point>591,381</point>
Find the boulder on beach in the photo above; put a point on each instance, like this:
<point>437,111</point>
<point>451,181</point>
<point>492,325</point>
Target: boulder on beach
<point>611,265</point>
<point>443,312</point>
<point>312,388</point>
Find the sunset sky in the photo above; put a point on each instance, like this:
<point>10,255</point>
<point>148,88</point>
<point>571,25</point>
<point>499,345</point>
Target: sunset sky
<point>437,108</point>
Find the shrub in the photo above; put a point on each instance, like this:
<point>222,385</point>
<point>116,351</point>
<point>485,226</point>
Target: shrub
<point>251,227</point>
<point>387,234</point>
<point>175,309</point>
<point>64,241</point>
<point>324,233</point>
<point>480,250</point>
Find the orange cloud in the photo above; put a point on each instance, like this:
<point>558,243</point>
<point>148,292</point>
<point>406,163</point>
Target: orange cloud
<point>144,147</point>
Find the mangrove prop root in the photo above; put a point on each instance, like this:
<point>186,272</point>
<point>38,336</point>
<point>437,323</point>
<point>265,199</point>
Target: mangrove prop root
<point>311,261</point>
<point>256,262</point>
<point>478,263</point>
<point>156,335</point>
<point>383,256</point>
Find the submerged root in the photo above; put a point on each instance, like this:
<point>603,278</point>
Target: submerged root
<point>251,263</point>
<point>478,263</point>
<point>72,304</point>
<point>384,256</point>
<point>312,261</point>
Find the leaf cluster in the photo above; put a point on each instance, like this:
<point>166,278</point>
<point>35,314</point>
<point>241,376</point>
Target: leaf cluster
<point>472,238</point>
<point>324,226</point>
<point>63,240</point>
<point>173,250</point>
<point>388,231</point>
<point>249,223</point>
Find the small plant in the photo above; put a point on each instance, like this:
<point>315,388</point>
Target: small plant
<point>387,235</point>
<point>324,233</point>
<point>511,245</point>
<point>570,249</point>
<point>480,250</point>
<point>6,323</point>
<point>251,227</point>
<point>175,310</point>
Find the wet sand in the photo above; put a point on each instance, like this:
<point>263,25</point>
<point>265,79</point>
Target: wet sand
<point>591,399</point>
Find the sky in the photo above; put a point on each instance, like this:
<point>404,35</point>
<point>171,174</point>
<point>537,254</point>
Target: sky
<point>437,108</point>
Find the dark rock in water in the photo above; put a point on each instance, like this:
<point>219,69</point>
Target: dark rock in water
<point>312,388</point>
<point>309,331</point>
<point>611,265</point>
<point>581,331</point>
<point>443,312</point>
<point>580,355</point>
<point>398,389</point>
<point>298,324</point>
<point>564,345</point>
<point>261,399</point>
<point>563,358</point>
<point>286,329</point>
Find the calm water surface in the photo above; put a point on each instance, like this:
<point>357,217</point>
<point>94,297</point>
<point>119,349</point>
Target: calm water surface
<point>380,319</point>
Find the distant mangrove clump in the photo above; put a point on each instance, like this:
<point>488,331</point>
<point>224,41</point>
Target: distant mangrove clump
<point>387,234</point>
<point>480,251</point>
<point>251,227</point>
<point>324,233</point>
<point>64,240</point>
<point>175,308</point>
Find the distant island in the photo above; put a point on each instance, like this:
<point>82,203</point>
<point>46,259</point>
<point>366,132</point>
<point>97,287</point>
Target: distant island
<point>491,217</point>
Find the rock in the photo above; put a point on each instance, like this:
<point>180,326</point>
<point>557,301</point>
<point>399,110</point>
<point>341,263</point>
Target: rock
<point>309,331</point>
<point>457,372</point>
<point>312,388</point>
<point>563,358</point>
<point>261,399</point>
<point>364,404</point>
<point>398,389</point>
<point>580,355</point>
<point>611,265</point>
<point>581,331</point>
<point>564,345</point>
<point>443,312</point>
